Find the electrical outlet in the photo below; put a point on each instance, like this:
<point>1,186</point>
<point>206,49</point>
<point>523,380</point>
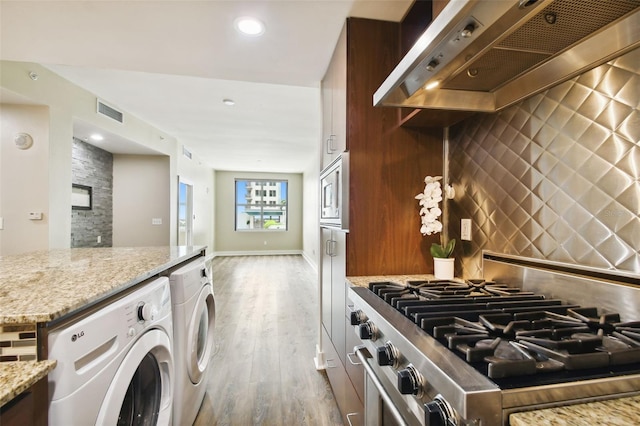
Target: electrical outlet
<point>465,229</point>
<point>99,239</point>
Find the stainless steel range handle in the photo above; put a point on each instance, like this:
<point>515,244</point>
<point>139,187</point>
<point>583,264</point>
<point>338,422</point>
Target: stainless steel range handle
<point>360,351</point>
<point>349,355</point>
<point>349,417</point>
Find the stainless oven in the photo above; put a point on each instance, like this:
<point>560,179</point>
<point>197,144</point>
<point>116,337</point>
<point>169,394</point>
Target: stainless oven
<point>530,335</point>
<point>334,193</point>
<point>383,405</point>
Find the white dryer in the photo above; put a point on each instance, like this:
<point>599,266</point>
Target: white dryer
<point>115,365</point>
<point>193,325</point>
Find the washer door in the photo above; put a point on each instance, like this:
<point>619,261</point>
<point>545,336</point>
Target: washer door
<point>200,335</point>
<point>141,390</point>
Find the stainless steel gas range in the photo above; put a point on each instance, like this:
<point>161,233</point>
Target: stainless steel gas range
<point>529,335</point>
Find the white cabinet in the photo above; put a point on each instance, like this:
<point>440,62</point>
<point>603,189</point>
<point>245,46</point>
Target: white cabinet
<point>339,337</point>
<point>334,260</point>
<point>334,103</point>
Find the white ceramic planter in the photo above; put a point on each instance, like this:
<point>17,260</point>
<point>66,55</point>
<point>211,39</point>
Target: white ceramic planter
<point>443,268</point>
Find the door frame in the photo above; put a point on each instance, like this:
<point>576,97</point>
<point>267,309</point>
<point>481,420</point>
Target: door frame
<point>189,216</point>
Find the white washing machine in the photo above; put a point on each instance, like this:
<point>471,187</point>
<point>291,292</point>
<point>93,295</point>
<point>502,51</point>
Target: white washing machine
<point>115,365</point>
<point>193,324</point>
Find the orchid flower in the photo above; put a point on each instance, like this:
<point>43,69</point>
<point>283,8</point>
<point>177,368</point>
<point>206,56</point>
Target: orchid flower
<point>428,201</point>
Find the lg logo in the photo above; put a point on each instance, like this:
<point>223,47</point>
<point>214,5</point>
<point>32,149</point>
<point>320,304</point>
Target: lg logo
<point>77,336</point>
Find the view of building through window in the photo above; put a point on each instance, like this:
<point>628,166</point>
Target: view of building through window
<point>261,205</point>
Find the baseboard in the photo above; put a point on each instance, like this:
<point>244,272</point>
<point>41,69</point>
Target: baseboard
<point>310,261</point>
<point>319,359</point>
<point>257,253</point>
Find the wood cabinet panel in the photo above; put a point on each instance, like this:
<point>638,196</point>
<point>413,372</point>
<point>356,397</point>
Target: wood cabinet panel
<point>30,408</point>
<point>388,163</point>
<point>438,5</point>
<point>414,24</point>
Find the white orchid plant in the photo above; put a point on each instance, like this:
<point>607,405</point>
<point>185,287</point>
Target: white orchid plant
<point>430,212</point>
<point>429,200</point>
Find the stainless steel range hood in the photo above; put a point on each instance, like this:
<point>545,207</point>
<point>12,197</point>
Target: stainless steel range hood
<point>485,55</point>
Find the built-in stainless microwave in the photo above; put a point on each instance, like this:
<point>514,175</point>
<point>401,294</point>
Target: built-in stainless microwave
<point>334,193</point>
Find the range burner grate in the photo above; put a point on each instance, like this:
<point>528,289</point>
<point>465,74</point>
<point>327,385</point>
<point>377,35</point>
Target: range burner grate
<point>505,332</point>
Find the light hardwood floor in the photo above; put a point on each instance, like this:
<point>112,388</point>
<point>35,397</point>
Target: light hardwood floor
<point>265,336</point>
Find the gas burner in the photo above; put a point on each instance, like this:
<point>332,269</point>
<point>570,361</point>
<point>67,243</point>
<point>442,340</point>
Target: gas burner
<point>510,332</point>
<point>542,342</point>
<point>480,350</point>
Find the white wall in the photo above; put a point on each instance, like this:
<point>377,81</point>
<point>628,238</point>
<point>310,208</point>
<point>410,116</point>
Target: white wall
<point>67,102</point>
<point>228,241</point>
<point>23,179</point>
<point>311,201</point>
<point>141,192</point>
<point>203,180</point>
<point>310,211</point>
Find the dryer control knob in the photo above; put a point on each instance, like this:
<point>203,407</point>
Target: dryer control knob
<point>131,332</point>
<point>146,312</point>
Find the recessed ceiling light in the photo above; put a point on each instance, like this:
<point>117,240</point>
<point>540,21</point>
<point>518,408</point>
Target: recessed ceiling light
<point>229,102</point>
<point>96,137</point>
<point>249,26</point>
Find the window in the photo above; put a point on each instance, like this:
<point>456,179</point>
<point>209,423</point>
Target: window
<point>257,211</point>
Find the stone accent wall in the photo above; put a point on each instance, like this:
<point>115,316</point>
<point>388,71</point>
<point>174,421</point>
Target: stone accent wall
<point>92,166</point>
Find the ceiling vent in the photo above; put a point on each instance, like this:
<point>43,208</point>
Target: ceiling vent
<point>110,112</point>
<point>186,152</point>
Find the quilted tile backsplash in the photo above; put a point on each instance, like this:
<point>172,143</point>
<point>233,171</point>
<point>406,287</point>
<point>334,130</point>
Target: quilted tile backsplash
<point>556,176</point>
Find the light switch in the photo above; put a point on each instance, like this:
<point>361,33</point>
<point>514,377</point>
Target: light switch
<point>1,222</point>
<point>156,221</point>
<point>465,229</point>
<point>35,215</point>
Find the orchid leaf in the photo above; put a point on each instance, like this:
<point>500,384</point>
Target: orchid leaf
<point>440,251</point>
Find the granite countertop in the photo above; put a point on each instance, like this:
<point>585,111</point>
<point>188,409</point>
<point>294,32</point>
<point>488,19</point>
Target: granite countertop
<point>42,286</point>
<point>613,412</point>
<point>363,281</point>
<point>16,377</point>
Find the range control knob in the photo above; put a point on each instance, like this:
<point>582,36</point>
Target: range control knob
<point>358,317</point>
<point>368,331</point>
<point>438,413</point>
<point>146,311</point>
<point>388,355</point>
<point>410,381</point>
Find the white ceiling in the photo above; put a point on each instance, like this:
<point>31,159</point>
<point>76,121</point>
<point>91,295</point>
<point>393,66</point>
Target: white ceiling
<point>170,63</point>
